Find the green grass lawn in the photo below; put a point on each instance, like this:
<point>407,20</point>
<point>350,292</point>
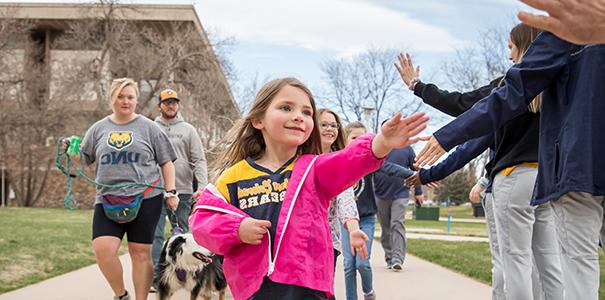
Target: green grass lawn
<point>40,243</point>
<point>458,228</point>
<point>36,244</point>
<point>469,258</point>
<point>459,212</point>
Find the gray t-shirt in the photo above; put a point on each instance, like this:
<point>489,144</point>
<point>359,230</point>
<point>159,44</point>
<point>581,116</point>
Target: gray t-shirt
<point>124,153</point>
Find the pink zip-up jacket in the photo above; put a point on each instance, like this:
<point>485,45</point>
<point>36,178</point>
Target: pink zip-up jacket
<point>303,242</point>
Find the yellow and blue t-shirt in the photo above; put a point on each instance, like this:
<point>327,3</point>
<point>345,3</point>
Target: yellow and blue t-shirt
<point>256,190</point>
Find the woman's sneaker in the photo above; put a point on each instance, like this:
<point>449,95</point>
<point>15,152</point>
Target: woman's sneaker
<point>370,296</point>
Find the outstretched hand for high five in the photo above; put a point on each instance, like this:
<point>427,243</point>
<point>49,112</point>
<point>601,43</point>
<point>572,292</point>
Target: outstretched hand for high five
<point>398,132</point>
<point>414,180</point>
<point>431,152</point>
<point>578,21</point>
<point>406,69</point>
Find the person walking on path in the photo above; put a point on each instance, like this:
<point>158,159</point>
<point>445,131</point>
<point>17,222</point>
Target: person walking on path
<point>392,198</point>
<point>191,161</point>
<point>366,206</point>
<point>128,148</point>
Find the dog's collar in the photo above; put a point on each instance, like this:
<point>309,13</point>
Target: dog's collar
<point>181,275</point>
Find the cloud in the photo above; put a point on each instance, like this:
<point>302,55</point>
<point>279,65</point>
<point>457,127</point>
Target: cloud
<point>343,26</point>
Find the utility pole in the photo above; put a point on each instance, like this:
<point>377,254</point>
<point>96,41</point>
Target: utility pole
<point>368,113</point>
<point>2,182</point>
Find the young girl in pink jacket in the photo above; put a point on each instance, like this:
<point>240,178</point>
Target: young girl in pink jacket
<point>267,213</point>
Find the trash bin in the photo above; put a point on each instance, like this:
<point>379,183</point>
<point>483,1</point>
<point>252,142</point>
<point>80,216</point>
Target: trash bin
<point>426,213</point>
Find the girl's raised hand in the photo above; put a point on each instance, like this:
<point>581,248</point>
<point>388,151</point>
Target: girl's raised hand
<point>398,132</point>
<point>358,240</point>
<point>251,231</point>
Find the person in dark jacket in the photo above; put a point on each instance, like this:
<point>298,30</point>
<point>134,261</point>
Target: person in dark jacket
<point>366,206</point>
<point>513,169</point>
<point>392,197</point>
<point>572,141</point>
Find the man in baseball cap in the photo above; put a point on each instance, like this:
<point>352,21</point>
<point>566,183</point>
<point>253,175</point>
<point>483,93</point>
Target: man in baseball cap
<point>167,94</point>
<point>190,163</point>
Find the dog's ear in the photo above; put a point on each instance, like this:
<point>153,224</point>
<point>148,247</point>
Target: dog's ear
<point>176,247</point>
<point>163,254</point>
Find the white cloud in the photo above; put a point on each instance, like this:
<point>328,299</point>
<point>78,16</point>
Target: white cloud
<point>338,25</point>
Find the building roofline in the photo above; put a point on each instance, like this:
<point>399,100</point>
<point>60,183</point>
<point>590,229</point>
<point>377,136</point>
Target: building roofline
<point>139,12</point>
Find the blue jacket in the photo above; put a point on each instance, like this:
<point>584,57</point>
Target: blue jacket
<point>364,188</point>
<point>457,159</point>
<point>390,187</point>
<point>572,133</point>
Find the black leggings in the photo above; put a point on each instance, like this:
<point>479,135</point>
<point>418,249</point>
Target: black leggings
<point>140,230</point>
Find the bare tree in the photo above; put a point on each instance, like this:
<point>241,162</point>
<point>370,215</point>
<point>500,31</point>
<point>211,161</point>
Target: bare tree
<point>366,86</point>
<point>31,112</point>
<point>62,82</point>
<point>475,67</point>
<point>245,90</point>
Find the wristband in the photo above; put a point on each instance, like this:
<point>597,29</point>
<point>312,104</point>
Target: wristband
<point>171,193</point>
<point>413,83</point>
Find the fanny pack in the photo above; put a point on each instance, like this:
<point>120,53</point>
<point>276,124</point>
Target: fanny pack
<point>124,209</point>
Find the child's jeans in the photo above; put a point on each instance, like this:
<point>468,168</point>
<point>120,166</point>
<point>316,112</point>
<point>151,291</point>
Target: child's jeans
<point>354,263</point>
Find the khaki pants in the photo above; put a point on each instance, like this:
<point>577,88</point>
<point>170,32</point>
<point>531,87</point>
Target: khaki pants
<point>579,220</point>
<point>526,233</point>
<point>497,275</point>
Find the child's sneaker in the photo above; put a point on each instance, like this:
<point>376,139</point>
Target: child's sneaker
<point>389,266</point>
<point>370,296</point>
<point>123,297</point>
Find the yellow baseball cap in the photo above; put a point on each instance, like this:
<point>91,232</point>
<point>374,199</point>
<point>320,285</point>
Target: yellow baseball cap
<point>167,94</point>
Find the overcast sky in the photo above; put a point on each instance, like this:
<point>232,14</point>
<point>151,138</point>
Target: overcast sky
<point>292,37</point>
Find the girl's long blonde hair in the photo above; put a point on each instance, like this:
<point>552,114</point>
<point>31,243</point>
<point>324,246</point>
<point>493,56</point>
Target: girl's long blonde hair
<point>522,36</point>
<point>243,140</point>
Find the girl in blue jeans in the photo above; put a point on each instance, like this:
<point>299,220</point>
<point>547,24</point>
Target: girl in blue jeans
<point>366,206</point>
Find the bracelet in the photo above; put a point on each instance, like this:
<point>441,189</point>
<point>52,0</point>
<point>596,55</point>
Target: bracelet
<point>171,193</point>
<point>413,83</point>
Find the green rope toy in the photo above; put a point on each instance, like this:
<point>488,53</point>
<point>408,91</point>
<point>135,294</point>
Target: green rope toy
<point>73,149</point>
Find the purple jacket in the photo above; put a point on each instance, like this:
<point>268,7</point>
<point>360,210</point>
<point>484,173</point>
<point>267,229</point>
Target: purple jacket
<point>303,251</point>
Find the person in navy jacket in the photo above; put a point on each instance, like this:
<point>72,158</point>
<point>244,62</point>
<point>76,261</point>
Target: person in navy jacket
<point>572,141</point>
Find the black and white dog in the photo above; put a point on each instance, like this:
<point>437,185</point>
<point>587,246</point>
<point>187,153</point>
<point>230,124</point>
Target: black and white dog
<point>185,264</point>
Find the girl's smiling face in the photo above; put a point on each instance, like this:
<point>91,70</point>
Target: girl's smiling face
<point>288,120</point>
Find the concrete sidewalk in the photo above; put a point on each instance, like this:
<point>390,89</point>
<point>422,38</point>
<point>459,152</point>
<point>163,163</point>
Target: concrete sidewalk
<point>419,280</point>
